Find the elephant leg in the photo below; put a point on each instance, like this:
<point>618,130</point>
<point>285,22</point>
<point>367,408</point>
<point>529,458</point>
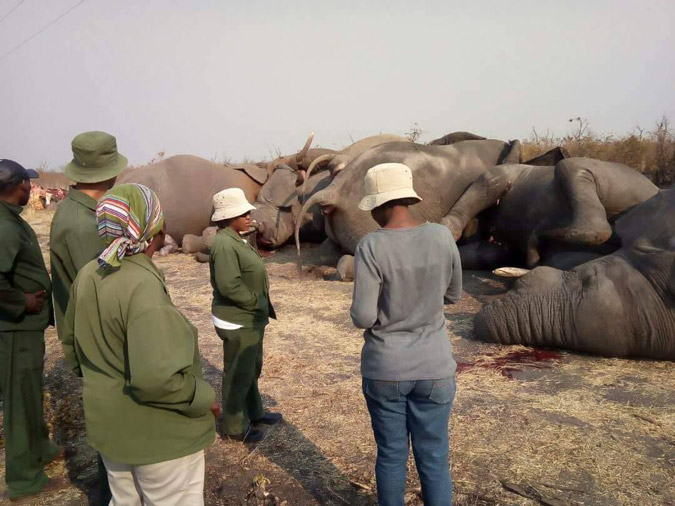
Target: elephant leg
<point>589,223</point>
<point>345,268</point>
<point>480,195</point>
<point>532,254</point>
<point>329,252</point>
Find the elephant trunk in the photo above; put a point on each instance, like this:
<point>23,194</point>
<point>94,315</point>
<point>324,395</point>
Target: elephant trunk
<point>527,316</point>
<point>323,198</point>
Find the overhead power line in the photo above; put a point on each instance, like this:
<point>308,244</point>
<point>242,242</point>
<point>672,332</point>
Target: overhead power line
<point>11,10</point>
<point>47,26</point>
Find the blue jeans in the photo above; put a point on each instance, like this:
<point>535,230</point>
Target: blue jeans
<point>417,411</point>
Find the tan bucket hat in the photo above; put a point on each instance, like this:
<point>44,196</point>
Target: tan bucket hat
<point>95,158</point>
<point>230,203</point>
<point>386,182</point>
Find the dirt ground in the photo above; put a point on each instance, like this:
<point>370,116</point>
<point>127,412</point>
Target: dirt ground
<point>527,427</point>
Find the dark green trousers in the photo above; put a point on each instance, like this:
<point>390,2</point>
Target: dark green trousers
<point>27,444</point>
<point>243,363</point>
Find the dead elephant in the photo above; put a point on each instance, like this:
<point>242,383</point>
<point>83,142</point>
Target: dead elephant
<point>441,174</point>
<point>620,305</point>
<point>538,212</point>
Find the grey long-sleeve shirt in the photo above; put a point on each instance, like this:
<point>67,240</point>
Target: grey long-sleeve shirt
<point>403,277</point>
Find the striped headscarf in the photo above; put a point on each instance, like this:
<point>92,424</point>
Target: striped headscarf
<point>128,217</point>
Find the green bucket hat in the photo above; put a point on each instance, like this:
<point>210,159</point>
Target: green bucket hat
<point>95,158</point>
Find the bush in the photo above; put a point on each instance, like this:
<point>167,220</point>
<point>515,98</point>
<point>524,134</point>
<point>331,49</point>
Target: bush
<point>652,153</point>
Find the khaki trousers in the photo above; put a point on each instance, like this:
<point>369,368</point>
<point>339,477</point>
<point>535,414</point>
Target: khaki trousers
<point>178,482</point>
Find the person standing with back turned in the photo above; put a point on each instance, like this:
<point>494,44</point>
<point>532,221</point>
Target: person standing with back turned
<point>404,273</point>
<point>74,239</point>
<point>147,409</point>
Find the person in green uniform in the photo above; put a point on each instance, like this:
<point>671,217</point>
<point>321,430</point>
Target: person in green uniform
<point>241,309</point>
<point>25,313</point>
<point>74,239</point>
<point>148,411</point>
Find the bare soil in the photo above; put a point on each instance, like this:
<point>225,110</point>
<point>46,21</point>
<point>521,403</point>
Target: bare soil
<point>528,426</point>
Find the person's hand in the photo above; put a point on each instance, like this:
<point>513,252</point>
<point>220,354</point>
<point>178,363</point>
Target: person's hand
<point>215,409</point>
<point>35,301</point>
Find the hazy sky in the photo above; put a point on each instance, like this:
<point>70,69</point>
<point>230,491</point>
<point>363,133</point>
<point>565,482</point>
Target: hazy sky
<point>240,79</point>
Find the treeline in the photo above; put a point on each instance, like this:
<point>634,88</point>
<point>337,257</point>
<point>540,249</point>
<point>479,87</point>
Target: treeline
<point>652,152</point>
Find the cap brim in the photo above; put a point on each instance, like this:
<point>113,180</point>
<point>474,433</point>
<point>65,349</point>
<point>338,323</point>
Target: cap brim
<point>79,174</point>
<point>232,212</point>
<point>32,173</point>
<point>370,202</point>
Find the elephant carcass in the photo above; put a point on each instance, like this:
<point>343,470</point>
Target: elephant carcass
<point>335,162</point>
<point>299,161</point>
<point>620,305</point>
<point>441,174</point>
<point>539,212</point>
<point>279,201</point>
<point>186,184</point>
<point>455,137</point>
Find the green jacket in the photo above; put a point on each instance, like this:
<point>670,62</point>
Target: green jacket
<point>22,270</point>
<point>73,241</point>
<point>145,400</point>
<point>239,281</point>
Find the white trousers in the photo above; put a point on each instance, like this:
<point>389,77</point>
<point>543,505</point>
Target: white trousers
<point>178,482</point>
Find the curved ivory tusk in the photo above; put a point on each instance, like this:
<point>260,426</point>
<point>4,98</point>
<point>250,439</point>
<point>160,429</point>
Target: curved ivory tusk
<point>510,272</point>
<point>301,154</point>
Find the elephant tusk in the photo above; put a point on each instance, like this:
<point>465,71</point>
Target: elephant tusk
<point>510,272</point>
<point>303,152</point>
<point>313,165</point>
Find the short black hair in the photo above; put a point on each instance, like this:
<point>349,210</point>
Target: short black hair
<point>407,202</point>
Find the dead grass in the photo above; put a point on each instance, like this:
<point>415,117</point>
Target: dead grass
<point>579,430</point>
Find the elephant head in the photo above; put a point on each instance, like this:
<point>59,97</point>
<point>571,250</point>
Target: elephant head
<point>277,204</point>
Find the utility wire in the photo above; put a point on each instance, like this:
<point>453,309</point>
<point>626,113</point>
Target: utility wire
<point>11,10</point>
<point>48,25</point>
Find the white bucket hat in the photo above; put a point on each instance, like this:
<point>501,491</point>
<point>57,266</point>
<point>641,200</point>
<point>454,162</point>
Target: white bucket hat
<point>230,203</point>
<point>386,182</point>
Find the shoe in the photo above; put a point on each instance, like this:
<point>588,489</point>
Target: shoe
<point>250,436</point>
<point>268,419</point>
<point>52,485</point>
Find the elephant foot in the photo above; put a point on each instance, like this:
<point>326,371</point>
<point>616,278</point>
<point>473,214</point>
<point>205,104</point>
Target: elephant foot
<point>329,253</point>
<point>345,268</point>
<point>192,243</point>
<point>202,258</point>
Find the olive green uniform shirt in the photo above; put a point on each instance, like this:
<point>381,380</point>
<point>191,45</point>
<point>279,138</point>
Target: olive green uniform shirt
<point>22,270</point>
<point>145,400</point>
<point>239,280</point>
<point>73,241</point>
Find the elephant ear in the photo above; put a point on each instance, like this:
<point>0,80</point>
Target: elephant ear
<point>280,191</point>
<point>258,174</point>
<point>549,158</point>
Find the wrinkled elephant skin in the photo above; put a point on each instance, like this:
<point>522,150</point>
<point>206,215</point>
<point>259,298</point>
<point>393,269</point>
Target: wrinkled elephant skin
<point>620,305</point>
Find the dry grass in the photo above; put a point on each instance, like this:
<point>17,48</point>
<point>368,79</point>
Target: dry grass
<point>579,430</point>
<point>651,152</point>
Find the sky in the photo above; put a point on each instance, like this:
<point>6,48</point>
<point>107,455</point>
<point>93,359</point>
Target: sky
<point>229,80</point>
